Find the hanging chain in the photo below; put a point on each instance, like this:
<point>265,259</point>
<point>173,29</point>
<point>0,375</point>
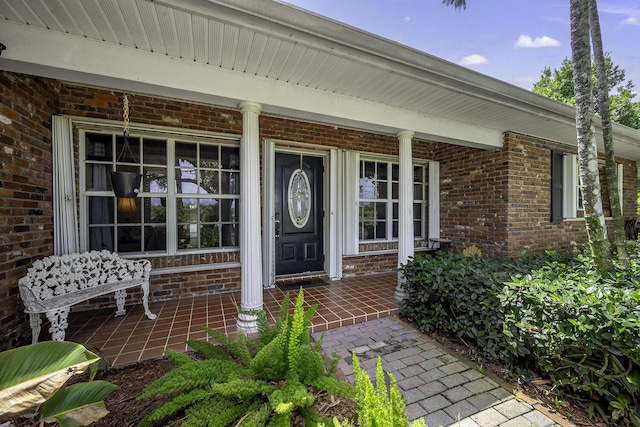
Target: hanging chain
<point>125,148</point>
<point>125,114</point>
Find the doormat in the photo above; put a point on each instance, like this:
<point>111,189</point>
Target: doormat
<point>305,283</point>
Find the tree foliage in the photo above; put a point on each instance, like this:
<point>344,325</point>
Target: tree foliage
<point>558,84</point>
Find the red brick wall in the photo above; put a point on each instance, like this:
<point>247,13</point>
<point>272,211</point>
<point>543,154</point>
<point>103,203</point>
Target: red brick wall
<point>167,286</point>
<point>107,104</point>
<point>330,136</point>
<point>529,199</point>
<point>473,196</point>
<point>369,264</point>
<point>26,107</point>
<point>500,200</point>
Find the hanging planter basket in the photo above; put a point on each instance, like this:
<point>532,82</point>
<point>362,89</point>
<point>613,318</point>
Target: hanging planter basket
<point>125,184</point>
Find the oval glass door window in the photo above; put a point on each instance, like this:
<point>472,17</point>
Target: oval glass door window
<point>299,198</point>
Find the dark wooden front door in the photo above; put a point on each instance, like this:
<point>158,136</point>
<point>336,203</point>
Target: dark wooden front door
<point>298,214</point>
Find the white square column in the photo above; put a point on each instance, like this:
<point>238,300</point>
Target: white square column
<point>405,208</point>
<point>250,228</point>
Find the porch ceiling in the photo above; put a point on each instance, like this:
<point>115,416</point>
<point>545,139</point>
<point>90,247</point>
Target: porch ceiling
<point>293,62</point>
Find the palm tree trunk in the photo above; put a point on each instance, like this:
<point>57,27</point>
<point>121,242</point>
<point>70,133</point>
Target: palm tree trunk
<point>587,149</point>
<point>607,135</point>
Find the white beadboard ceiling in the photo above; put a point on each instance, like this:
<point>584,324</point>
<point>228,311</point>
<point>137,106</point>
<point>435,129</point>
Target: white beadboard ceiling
<point>281,45</point>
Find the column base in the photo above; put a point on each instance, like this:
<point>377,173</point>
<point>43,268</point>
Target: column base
<point>247,323</point>
<point>399,294</point>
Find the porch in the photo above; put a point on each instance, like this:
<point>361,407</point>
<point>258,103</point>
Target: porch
<point>132,337</point>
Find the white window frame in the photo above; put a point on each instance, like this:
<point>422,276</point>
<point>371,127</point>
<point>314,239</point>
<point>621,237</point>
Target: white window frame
<point>424,202</point>
<point>171,135</point>
<point>621,187</point>
<point>359,160</point>
<point>351,182</point>
<point>570,186</point>
<point>571,200</point>
<point>174,195</point>
<point>389,201</point>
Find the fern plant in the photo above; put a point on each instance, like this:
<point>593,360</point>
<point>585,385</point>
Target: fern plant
<point>250,381</point>
<point>378,406</point>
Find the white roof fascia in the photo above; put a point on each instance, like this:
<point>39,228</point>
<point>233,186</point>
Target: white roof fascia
<point>95,63</point>
<point>339,38</point>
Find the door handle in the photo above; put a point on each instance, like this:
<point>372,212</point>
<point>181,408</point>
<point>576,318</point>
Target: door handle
<point>277,229</point>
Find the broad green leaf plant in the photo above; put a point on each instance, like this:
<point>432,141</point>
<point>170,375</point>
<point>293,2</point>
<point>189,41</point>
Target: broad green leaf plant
<point>34,375</point>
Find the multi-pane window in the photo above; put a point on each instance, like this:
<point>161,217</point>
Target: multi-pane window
<point>567,198</point>
<point>207,191</point>
<point>378,200</point>
<point>378,208</point>
<point>420,193</point>
<point>188,198</point>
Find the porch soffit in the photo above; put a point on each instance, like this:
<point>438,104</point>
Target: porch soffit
<point>293,62</point>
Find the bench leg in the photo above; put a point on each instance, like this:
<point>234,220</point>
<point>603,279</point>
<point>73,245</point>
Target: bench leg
<point>35,321</point>
<point>120,296</point>
<point>145,302</point>
<point>58,319</point>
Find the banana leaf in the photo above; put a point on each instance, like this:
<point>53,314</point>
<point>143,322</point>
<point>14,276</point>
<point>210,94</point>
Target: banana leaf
<point>31,374</point>
<point>79,404</point>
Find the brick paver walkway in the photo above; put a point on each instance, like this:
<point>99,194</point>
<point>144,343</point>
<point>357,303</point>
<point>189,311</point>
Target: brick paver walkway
<point>436,385</point>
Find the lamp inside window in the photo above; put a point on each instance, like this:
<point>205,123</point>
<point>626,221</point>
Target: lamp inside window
<point>127,205</point>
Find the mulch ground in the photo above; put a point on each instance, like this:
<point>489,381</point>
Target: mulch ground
<point>127,411</point>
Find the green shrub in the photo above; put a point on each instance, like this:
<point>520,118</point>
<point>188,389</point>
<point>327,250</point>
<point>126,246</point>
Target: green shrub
<point>378,406</point>
<point>580,330</point>
<point>551,314</point>
<point>250,381</point>
<point>459,295</point>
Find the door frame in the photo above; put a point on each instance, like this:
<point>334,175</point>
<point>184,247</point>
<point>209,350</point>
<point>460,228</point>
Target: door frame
<point>331,198</point>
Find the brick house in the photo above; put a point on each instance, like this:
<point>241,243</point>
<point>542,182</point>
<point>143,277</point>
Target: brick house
<point>272,143</point>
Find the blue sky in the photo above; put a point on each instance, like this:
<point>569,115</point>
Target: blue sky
<point>511,40</point>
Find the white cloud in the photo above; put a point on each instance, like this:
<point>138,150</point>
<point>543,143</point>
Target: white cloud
<point>526,42</point>
<point>474,59</point>
<point>618,10</point>
<point>407,18</point>
<point>632,12</point>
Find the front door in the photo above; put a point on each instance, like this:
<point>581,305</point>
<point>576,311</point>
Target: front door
<point>298,214</point>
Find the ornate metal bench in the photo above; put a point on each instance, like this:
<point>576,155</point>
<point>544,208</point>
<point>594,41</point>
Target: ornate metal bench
<point>55,283</point>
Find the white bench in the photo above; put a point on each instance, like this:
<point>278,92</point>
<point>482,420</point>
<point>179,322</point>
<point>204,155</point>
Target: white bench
<point>55,283</point>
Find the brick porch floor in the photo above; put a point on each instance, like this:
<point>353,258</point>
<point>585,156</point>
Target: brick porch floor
<point>133,337</point>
